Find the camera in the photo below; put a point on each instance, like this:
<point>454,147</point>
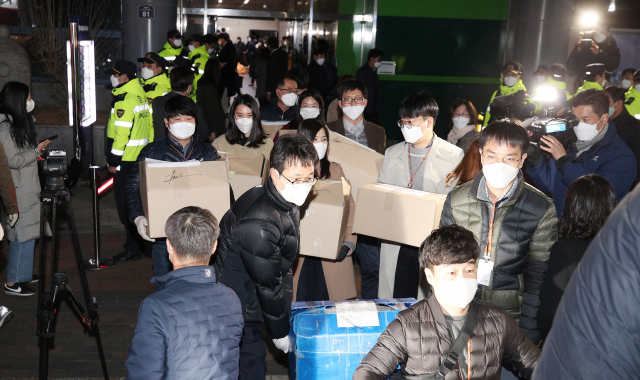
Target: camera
<point>54,170</point>
<point>517,105</point>
<point>559,127</point>
<point>587,38</point>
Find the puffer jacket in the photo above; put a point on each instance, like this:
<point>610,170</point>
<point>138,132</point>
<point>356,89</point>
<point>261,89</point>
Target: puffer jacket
<point>418,341</point>
<point>191,329</point>
<point>259,241</point>
<point>524,229</point>
<point>24,170</point>
<point>197,150</point>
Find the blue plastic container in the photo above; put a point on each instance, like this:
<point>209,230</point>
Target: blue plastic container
<point>328,352</point>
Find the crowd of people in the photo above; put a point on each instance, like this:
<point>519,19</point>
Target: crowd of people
<point>492,281</point>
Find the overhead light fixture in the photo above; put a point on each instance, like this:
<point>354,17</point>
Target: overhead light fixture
<point>589,19</point>
<point>246,1</point>
<point>220,1</point>
<point>612,6</point>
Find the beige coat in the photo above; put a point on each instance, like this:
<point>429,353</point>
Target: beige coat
<point>222,145</point>
<point>441,160</point>
<point>339,276</point>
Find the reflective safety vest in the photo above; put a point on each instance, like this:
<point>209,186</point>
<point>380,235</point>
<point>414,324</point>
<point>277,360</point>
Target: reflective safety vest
<point>504,90</point>
<point>199,58</point>
<point>587,86</point>
<point>130,127</point>
<point>170,53</point>
<point>559,84</point>
<point>632,102</point>
<point>156,86</point>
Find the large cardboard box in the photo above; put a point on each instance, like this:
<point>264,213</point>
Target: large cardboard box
<point>166,187</point>
<point>323,219</point>
<point>245,172</point>
<point>396,213</point>
<point>272,127</point>
<point>361,164</point>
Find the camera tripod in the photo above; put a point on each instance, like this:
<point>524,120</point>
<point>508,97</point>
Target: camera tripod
<point>59,280</point>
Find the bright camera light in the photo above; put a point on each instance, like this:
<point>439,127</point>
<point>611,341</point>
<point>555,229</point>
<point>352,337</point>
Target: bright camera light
<point>589,19</point>
<point>546,94</point>
<point>612,6</point>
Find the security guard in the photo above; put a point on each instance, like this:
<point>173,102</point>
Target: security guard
<point>129,129</point>
<point>510,83</point>
<point>557,74</point>
<point>198,56</point>
<point>632,97</point>
<point>173,47</point>
<point>154,80</point>
<point>593,77</point>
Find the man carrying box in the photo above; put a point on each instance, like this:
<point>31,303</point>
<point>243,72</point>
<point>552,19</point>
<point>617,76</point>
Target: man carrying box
<point>449,335</point>
<point>259,240</point>
<point>180,145</point>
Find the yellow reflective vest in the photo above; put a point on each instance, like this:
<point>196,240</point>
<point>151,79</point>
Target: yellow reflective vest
<point>199,58</point>
<point>632,102</point>
<point>156,86</point>
<point>588,85</point>
<point>170,53</point>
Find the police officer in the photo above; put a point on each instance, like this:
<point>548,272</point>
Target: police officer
<point>632,97</point>
<point>198,56</point>
<point>128,131</point>
<point>154,80</point>
<point>556,78</point>
<point>510,83</point>
<point>173,48</point>
<point>593,77</point>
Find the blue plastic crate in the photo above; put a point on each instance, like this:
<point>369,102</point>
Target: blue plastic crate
<point>328,352</point>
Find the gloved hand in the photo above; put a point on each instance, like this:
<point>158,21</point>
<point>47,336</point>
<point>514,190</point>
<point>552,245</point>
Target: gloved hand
<point>283,344</point>
<point>13,219</point>
<point>534,154</point>
<point>344,251</point>
<point>141,223</point>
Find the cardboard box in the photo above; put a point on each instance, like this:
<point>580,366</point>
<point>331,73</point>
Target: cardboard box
<point>396,213</point>
<point>166,187</point>
<point>361,165</point>
<point>245,172</point>
<point>323,350</point>
<point>272,127</point>
<point>323,219</point>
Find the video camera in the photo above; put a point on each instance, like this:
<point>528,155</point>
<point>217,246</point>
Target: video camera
<point>517,105</point>
<point>54,170</point>
<point>560,127</point>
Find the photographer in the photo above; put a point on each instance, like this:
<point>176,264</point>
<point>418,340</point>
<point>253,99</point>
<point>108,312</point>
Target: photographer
<point>602,49</point>
<point>598,151</point>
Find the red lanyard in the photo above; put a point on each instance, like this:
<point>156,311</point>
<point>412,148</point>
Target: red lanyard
<point>410,185</point>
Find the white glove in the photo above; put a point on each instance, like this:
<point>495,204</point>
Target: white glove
<point>13,219</point>
<point>141,223</point>
<point>283,344</point>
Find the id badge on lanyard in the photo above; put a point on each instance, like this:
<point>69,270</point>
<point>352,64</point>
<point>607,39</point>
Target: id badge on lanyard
<point>485,266</point>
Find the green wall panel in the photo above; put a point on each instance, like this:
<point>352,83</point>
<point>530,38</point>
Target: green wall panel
<point>466,9</point>
<point>351,7</point>
<point>347,52</point>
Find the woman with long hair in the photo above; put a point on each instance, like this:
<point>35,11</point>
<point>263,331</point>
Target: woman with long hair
<point>589,202</point>
<point>468,168</point>
<point>463,121</point>
<point>18,136</point>
<point>244,133</point>
<point>318,279</point>
<point>209,99</point>
<point>310,107</point>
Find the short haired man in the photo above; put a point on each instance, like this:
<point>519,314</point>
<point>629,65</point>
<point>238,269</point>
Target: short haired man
<point>510,83</point>
<point>199,56</point>
<point>259,241</point>
<point>277,66</point>
<point>191,329</point>
<point>210,42</point>
<point>178,145</point>
<point>173,48</point>
<point>368,74</point>
<point>317,74</point>
<point>228,65</point>
<point>598,150</point>
<point>632,97</point>
<point>627,126</point>
<point>594,78</point>
<point>301,76</point>
<point>284,109</point>
<point>514,224</point>
<point>353,98</point>
<point>449,335</point>
<point>154,80</point>
<point>557,74</point>
<point>627,78</point>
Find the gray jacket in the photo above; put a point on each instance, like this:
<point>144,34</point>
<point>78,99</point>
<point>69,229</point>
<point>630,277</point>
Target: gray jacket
<point>23,163</point>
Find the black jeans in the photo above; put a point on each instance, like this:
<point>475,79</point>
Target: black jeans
<point>368,251</point>
<point>407,278</point>
<point>252,353</point>
<point>134,241</point>
<point>311,284</point>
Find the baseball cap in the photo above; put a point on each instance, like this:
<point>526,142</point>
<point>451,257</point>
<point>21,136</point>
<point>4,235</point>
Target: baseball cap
<point>542,69</point>
<point>558,71</point>
<point>123,67</point>
<point>174,33</point>
<point>514,66</point>
<point>182,61</point>
<point>152,57</point>
<point>196,37</point>
<point>590,71</point>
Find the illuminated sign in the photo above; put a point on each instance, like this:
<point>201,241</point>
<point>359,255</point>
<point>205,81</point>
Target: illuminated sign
<point>87,83</point>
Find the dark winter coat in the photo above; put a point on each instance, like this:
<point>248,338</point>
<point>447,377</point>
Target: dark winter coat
<point>277,67</point>
<point>191,329</point>
<point>609,55</point>
<point>318,78</point>
<point>628,128</point>
<point>259,240</point>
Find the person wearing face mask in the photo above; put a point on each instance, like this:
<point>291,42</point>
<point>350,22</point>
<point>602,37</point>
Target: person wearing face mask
<point>198,55</point>
<point>155,81</point>
<point>180,144</point>
<point>244,133</point>
<point>240,48</point>
<point>210,43</point>
<point>317,75</point>
<point>632,97</point>
<point>514,224</point>
<point>594,78</point>
<point>627,126</point>
<point>450,333</point>
<point>598,150</point>
<point>603,49</point>
<point>258,244</point>
<point>129,129</point>
<point>284,107</point>
<point>421,162</point>
<point>318,279</point>
<point>627,78</point>
<point>311,107</point>
<point>540,75</point>
<point>463,123</point>
<point>228,66</point>
<point>368,74</point>
<point>510,83</point>
<point>174,47</point>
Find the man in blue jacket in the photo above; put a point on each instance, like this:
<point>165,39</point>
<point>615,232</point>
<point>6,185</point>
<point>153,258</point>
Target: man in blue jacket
<point>598,150</point>
<point>192,328</point>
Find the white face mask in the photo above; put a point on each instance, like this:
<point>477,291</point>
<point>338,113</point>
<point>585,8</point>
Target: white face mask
<point>321,147</point>
<point>320,61</point>
<point>461,122</point>
<point>210,50</point>
<point>626,83</point>
<point>599,38</point>
<point>309,113</point>
<point>377,65</point>
<point>510,81</point>
<point>414,134</point>
<point>191,48</point>
<point>353,112</point>
<point>289,100</point>
<point>146,73</point>
<point>459,292</point>
<point>296,195</point>
<point>30,105</point>
<point>499,174</point>
<point>244,125</point>
<point>585,131</point>
<point>177,43</point>
<point>114,81</point>
<point>637,87</point>
<point>539,79</point>
<point>182,130</point>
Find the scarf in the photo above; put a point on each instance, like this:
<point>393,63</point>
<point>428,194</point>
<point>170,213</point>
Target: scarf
<point>456,134</point>
<point>583,146</point>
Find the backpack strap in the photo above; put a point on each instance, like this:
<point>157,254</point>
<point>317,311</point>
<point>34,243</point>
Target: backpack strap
<point>450,362</point>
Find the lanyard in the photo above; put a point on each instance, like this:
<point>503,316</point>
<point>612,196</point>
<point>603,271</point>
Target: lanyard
<point>410,185</point>
<point>468,362</point>
<point>487,249</point>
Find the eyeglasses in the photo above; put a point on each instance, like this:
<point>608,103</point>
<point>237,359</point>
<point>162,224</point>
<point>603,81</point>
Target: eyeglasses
<point>465,114</point>
<point>358,100</point>
<point>299,182</point>
<point>286,91</point>
<point>409,124</point>
<point>492,159</point>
